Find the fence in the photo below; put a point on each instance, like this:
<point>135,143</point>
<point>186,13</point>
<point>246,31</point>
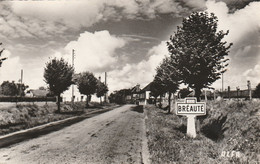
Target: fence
<point>228,94</point>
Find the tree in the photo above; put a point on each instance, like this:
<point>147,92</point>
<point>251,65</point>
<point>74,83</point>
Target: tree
<point>101,90</point>
<point>58,75</point>
<point>157,89</point>
<point>256,93</point>
<point>120,96</point>
<point>9,88</point>
<point>167,77</point>
<point>184,92</point>
<point>21,88</point>
<point>87,84</point>
<point>1,59</point>
<point>198,52</point>
<point>13,89</point>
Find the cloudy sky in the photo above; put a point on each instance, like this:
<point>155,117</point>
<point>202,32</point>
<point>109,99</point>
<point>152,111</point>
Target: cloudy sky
<point>125,38</point>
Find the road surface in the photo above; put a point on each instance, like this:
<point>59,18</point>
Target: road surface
<point>112,137</point>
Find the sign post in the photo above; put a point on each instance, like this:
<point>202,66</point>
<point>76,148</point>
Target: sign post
<point>191,109</point>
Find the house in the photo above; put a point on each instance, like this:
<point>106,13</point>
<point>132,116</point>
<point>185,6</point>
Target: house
<point>135,91</point>
<point>36,93</point>
<point>144,94</point>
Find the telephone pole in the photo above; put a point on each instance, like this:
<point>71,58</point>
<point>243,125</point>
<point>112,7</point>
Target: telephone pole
<point>105,100</point>
<point>249,89</point>
<point>21,82</point>
<point>72,87</point>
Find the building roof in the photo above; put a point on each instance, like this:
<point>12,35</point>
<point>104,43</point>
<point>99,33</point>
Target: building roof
<point>39,92</point>
<point>147,87</point>
<point>136,89</point>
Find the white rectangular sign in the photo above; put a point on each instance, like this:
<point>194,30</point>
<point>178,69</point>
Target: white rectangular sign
<point>190,107</point>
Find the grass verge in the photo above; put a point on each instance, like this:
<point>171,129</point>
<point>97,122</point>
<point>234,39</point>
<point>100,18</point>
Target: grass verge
<point>229,133</point>
<point>27,115</point>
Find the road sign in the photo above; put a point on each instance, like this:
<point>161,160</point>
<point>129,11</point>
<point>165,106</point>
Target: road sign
<point>191,108</point>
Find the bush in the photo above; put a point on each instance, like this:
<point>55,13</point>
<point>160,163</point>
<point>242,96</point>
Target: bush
<point>26,99</point>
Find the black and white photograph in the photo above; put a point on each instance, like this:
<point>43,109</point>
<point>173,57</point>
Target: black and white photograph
<point>129,82</point>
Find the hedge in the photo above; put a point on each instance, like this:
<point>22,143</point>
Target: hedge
<point>26,99</point>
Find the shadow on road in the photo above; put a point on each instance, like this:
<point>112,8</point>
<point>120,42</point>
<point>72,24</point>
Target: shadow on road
<point>138,108</point>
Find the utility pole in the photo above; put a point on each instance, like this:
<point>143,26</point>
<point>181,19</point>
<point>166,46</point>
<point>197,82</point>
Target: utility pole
<point>249,89</point>
<point>21,82</point>
<point>72,87</point>
<point>105,99</point>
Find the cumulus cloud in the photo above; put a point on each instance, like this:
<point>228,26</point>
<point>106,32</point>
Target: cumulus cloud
<point>141,73</point>
<point>48,18</point>
<point>11,68</point>
<point>246,19</point>
<point>94,52</point>
<point>244,28</point>
<point>253,74</point>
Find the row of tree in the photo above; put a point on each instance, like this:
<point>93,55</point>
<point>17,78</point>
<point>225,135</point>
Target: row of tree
<point>197,56</point>
<point>59,76</point>
<point>12,89</point>
<point>119,96</point>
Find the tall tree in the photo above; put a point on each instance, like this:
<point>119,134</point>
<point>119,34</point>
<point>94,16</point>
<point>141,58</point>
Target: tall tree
<point>198,52</point>
<point>9,88</point>
<point>87,84</point>
<point>58,75</point>
<point>157,89</point>
<point>13,89</point>
<point>1,59</point>
<point>101,90</point>
<point>256,92</point>
<point>119,97</point>
<point>167,76</point>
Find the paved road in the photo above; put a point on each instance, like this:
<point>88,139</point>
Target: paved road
<point>112,137</point>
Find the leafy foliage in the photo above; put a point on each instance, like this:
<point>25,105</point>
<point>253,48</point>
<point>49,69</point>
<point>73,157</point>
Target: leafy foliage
<point>9,88</point>
<point>101,89</point>
<point>167,77</point>
<point>157,88</point>
<point>184,92</point>
<point>257,91</point>
<point>1,59</point>
<point>58,75</point>
<point>119,97</point>
<point>198,52</point>
<point>87,84</point>
<point>12,88</point>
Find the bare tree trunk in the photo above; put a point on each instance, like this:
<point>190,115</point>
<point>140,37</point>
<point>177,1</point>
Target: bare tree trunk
<point>100,100</point>
<point>197,94</point>
<point>58,103</point>
<point>169,99</point>
<point>87,105</point>
<point>155,100</point>
<point>160,103</point>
